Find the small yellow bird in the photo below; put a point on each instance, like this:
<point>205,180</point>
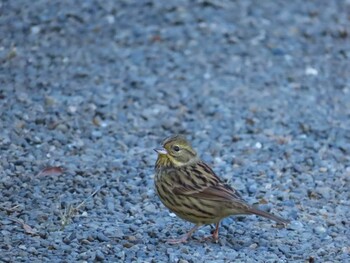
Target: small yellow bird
<point>189,187</point>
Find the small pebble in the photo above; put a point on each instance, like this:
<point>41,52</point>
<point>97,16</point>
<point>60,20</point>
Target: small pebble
<point>99,256</point>
<point>320,230</point>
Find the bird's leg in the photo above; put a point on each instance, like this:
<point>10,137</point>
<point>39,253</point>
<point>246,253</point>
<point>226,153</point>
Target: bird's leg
<point>215,234</point>
<point>184,238</point>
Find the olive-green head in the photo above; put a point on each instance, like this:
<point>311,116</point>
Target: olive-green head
<point>176,151</point>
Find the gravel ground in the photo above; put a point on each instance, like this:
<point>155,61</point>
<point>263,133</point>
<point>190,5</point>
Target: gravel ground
<point>261,88</point>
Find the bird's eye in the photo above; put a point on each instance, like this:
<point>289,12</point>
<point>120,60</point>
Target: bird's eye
<point>176,148</point>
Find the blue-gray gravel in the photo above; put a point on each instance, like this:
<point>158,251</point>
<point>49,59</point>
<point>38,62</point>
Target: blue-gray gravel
<point>261,88</point>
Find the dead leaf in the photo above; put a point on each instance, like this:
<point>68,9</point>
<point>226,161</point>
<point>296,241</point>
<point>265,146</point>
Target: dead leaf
<point>28,229</point>
<point>55,170</point>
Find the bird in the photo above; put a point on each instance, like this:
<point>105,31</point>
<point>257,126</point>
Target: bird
<point>188,187</point>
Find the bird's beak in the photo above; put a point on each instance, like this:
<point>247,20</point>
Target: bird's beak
<point>161,150</point>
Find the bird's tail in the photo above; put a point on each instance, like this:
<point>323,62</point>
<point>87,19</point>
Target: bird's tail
<point>258,212</point>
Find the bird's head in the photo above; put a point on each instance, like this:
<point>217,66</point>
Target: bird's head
<point>175,151</point>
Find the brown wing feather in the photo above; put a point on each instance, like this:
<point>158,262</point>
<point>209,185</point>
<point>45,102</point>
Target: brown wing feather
<point>200,181</point>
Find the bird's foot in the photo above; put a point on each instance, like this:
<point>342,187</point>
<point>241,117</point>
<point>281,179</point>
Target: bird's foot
<point>178,240</point>
<point>214,236</point>
<point>184,238</point>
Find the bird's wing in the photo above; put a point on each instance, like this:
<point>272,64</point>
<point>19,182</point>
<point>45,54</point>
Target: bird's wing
<point>199,180</point>
<point>217,193</point>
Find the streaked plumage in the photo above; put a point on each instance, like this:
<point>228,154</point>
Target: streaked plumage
<point>189,188</point>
